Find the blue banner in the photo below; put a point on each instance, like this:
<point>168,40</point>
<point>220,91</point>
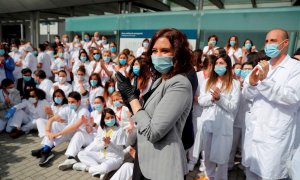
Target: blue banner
<point>191,34</point>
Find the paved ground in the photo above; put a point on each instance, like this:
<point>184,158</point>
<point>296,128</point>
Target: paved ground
<point>16,162</point>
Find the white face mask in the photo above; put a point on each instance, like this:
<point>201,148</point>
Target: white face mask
<point>32,100</point>
<point>62,79</point>
<point>11,90</point>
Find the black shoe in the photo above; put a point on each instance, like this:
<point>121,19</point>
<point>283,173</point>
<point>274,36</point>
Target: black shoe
<point>37,153</point>
<point>45,158</point>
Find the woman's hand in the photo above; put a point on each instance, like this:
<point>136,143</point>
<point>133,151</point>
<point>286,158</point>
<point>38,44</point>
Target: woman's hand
<point>127,91</point>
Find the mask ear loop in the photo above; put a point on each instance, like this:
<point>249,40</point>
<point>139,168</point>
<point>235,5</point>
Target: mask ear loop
<point>280,44</point>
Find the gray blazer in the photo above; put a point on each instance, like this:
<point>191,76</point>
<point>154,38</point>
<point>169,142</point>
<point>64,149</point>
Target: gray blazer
<point>160,150</point>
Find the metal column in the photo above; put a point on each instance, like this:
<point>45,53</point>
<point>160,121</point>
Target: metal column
<point>37,28</point>
<point>292,42</point>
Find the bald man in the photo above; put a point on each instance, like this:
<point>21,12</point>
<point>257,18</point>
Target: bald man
<point>274,88</point>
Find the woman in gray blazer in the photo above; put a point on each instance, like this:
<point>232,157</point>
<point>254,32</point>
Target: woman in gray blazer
<point>160,120</point>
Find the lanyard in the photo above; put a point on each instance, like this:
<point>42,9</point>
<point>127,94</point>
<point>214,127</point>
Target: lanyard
<point>108,134</point>
<point>119,118</point>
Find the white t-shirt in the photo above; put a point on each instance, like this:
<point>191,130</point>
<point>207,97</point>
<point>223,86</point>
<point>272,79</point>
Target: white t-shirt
<point>66,88</point>
<point>45,59</point>
<point>104,77</point>
<point>45,86</point>
<point>30,62</point>
<point>208,51</point>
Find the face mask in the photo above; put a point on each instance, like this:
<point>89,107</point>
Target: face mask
<point>113,49</point>
<point>232,43</point>
<point>32,100</point>
<point>106,59</point>
<point>245,73</point>
<point>80,77</point>
<point>36,81</point>
<point>76,40</point>
<point>97,38</point>
<point>2,52</point>
<point>162,64</point>
<point>104,41</point>
<point>248,46</point>
<point>237,72</point>
<point>86,39</point>
<point>11,90</point>
<point>66,39</point>
<point>145,44</point>
<point>122,61</point>
<point>57,40</point>
<point>72,106</point>
<point>117,104</point>
<point>60,54</point>
<point>110,122</point>
<point>98,107</point>
<point>62,79</point>
<point>58,100</point>
<point>14,49</point>
<point>93,82</point>
<point>220,70</point>
<point>96,56</point>
<point>27,78</point>
<point>111,90</point>
<point>213,43</point>
<point>272,50</point>
<point>35,53</point>
<point>83,59</point>
<point>136,70</point>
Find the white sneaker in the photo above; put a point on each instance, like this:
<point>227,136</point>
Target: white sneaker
<point>67,164</point>
<point>202,166</point>
<point>191,166</point>
<point>80,167</point>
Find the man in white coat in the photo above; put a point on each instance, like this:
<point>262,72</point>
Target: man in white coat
<point>44,83</point>
<point>274,87</point>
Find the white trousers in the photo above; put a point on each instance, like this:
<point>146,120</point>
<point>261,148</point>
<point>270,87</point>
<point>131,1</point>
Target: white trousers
<point>20,120</point>
<point>80,139</point>
<point>236,143</point>
<point>41,126</point>
<point>55,128</point>
<point>124,173</point>
<point>97,163</point>
<point>213,170</point>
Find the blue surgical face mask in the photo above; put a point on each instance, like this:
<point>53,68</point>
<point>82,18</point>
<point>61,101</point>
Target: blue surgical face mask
<point>97,38</point>
<point>136,70</point>
<point>122,61</point>
<point>104,41</point>
<point>106,59</point>
<point>245,73</point>
<point>110,122</point>
<point>86,39</point>
<point>113,49</point>
<point>232,43</point>
<point>213,43</point>
<point>94,82</point>
<point>272,50</point>
<point>237,72</point>
<point>2,52</point>
<point>73,106</point>
<point>220,70</point>
<point>65,39</point>
<point>96,56</point>
<point>111,90</point>
<point>36,81</point>
<point>98,107</point>
<point>117,104</point>
<point>162,64</point>
<point>248,46</point>
<point>35,53</point>
<point>60,54</point>
<point>76,40</point>
<point>58,100</point>
<point>26,78</point>
<point>83,59</point>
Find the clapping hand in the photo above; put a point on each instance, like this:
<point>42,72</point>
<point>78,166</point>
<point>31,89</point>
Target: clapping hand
<point>127,91</point>
<point>215,93</point>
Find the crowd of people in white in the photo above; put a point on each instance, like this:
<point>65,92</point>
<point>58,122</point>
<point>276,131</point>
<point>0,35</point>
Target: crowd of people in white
<point>247,104</point>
